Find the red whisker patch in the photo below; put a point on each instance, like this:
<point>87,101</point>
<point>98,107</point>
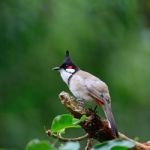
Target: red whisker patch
<point>69,67</point>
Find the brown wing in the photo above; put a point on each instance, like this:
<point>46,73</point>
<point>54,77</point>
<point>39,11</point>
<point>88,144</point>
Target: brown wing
<point>97,89</point>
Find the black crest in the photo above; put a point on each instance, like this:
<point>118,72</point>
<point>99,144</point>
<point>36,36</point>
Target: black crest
<point>68,63</point>
<point>67,58</point>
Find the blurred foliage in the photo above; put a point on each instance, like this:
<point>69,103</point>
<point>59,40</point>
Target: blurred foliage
<point>110,145</point>
<point>110,39</point>
<point>38,145</point>
<point>116,144</point>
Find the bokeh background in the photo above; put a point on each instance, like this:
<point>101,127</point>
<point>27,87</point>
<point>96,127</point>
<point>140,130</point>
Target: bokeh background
<point>110,39</point>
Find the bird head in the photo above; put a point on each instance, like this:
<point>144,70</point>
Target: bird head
<point>67,65</point>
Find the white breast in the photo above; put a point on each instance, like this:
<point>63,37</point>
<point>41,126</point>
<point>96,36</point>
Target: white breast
<point>65,75</point>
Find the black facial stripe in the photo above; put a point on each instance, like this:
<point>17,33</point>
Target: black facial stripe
<point>71,76</point>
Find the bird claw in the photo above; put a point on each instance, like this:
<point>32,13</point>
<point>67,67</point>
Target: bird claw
<point>80,101</point>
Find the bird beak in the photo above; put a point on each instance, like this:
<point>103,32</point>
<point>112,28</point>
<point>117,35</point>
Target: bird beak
<point>56,68</point>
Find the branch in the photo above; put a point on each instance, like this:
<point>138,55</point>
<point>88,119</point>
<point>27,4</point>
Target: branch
<point>89,144</point>
<point>94,126</point>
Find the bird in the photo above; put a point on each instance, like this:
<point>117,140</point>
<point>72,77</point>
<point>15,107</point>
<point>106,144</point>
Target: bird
<point>87,87</point>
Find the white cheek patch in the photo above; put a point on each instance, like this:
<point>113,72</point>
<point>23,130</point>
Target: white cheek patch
<point>70,70</point>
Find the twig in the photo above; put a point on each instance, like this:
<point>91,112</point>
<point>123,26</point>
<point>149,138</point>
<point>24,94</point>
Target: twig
<point>63,139</point>
<point>89,144</point>
<point>138,145</point>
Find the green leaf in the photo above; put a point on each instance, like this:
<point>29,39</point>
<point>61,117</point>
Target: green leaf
<point>77,121</point>
<point>61,122</point>
<point>38,145</point>
<point>119,148</point>
<point>115,145</point>
<point>70,146</point>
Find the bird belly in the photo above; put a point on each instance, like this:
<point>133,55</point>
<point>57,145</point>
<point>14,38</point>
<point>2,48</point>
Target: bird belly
<point>81,95</point>
<point>79,90</point>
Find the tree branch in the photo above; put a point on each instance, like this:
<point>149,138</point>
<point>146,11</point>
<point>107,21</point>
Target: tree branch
<point>94,126</point>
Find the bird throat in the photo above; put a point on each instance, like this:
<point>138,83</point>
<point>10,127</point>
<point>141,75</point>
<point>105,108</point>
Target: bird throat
<point>66,76</point>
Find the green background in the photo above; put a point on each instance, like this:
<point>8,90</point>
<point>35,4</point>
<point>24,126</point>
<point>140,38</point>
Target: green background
<point>110,39</point>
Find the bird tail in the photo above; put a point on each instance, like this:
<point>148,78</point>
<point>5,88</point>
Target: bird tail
<point>110,118</point>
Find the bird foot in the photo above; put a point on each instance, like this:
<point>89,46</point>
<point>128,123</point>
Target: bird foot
<point>80,101</point>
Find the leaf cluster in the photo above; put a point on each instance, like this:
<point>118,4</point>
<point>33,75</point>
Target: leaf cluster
<point>65,121</point>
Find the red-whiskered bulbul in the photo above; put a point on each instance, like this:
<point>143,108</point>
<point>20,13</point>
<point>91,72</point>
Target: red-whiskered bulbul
<point>85,86</point>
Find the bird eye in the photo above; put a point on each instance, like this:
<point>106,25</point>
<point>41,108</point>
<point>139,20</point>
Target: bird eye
<point>66,66</point>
